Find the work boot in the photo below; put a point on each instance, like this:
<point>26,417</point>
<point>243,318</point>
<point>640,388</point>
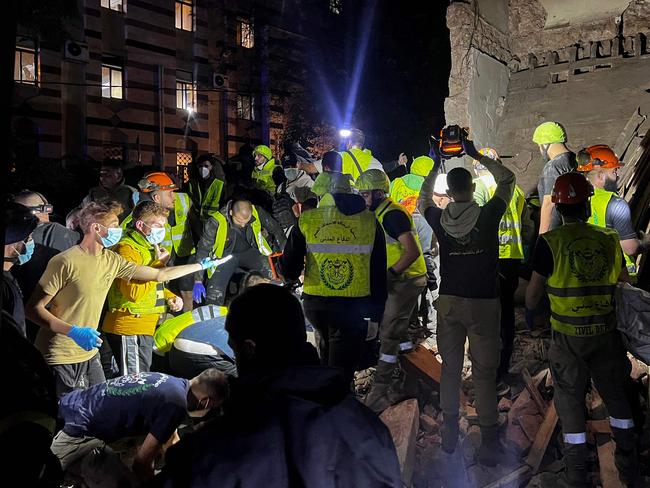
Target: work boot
<point>490,453</point>
<point>575,461</point>
<point>625,456</point>
<point>449,432</point>
<point>377,399</point>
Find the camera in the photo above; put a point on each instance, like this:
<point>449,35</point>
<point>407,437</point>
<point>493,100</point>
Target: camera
<point>451,141</point>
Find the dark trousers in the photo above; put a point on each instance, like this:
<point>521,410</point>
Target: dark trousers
<point>77,376</point>
<point>340,336</point>
<point>250,260</point>
<point>132,352</point>
<point>508,283</point>
<point>573,361</point>
<point>188,365</point>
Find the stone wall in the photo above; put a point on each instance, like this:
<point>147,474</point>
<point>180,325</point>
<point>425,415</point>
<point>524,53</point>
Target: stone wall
<point>516,63</point>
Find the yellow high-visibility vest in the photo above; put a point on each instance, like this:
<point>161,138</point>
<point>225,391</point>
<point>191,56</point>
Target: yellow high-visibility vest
<point>264,176</point>
<point>363,157</point>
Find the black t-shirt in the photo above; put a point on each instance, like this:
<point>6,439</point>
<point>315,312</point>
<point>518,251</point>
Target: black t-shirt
<point>469,266</point>
<point>12,300</point>
<point>395,223</point>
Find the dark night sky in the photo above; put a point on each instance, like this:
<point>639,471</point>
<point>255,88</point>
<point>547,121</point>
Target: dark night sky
<point>405,76</point>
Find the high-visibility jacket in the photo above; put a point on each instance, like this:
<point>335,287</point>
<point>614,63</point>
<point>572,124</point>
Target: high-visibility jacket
<point>599,203</point>
<point>338,251</point>
<point>405,187</point>
<point>363,157</point>
<point>222,235</point>
<point>394,248</point>
<point>167,332</point>
<point>264,176</point>
<point>511,244</point>
<point>586,266</point>
<point>154,301</point>
<point>208,202</point>
<point>178,238</point>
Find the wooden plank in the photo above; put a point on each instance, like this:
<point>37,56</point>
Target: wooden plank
<point>534,392</point>
<point>629,131</point>
<point>522,472</point>
<point>608,471</point>
<point>542,439</point>
<point>599,426</point>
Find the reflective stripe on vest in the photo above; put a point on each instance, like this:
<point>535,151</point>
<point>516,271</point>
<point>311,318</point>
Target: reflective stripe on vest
<point>339,247</point>
<point>394,248</point>
<point>599,203</point>
<point>222,235</point>
<point>511,244</point>
<point>364,156</point>
<point>264,176</point>
<point>154,300</point>
<point>586,266</point>
<point>167,332</point>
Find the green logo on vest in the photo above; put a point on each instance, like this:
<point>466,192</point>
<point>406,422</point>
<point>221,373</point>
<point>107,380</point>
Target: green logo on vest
<point>337,273</point>
<point>588,259</point>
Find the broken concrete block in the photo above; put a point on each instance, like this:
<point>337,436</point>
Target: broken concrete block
<point>505,404</point>
<point>402,421</point>
<point>428,424</point>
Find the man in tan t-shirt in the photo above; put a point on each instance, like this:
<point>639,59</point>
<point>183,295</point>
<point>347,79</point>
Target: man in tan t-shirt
<point>68,301</point>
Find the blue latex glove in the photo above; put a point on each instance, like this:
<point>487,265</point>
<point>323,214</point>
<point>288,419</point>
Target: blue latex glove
<point>530,318</point>
<point>198,292</point>
<point>213,262</point>
<point>85,337</point>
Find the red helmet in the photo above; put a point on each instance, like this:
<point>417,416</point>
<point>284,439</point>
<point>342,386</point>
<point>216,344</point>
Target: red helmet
<point>156,181</point>
<point>571,189</point>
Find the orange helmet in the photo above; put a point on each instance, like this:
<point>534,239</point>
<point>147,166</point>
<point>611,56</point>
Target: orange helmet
<point>598,156</point>
<point>156,181</point>
<point>571,189</point>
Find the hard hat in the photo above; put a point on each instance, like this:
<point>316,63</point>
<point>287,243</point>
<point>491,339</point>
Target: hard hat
<point>440,187</point>
<point>422,165</point>
<point>571,189</point>
<point>598,156</point>
<point>19,222</point>
<point>549,133</point>
<point>264,151</point>
<point>490,153</point>
<point>373,179</point>
<point>339,183</point>
<point>156,181</point>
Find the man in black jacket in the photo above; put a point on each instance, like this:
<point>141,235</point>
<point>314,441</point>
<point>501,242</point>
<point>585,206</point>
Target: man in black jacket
<point>242,230</point>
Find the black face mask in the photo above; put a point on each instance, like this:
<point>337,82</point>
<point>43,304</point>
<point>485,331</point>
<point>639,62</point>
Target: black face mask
<point>611,185</point>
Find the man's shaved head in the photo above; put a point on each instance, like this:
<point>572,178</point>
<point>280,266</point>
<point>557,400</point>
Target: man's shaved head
<point>241,212</point>
<point>29,198</point>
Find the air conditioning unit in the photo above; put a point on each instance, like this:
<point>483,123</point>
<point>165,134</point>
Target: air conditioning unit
<point>75,51</point>
<point>219,80</point>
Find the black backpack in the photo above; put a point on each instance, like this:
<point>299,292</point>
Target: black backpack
<point>282,209</point>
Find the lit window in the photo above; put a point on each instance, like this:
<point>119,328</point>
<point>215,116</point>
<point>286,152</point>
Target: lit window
<point>336,6</point>
<point>117,5</point>
<point>111,81</point>
<point>245,34</point>
<point>114,151</point>
<point>184,14</point>
<point>183,162</point>
<point>245,107</point>
<point>185,95</point>
<point>25,67</point>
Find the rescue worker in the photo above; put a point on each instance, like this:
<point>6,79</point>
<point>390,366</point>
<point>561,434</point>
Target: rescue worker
<point>332,164</point>
<point>357,158</point>
<point>264,168</point>
<point>206,184</point>
<point>406,279</point>
<point>19,224</point>
<point>112,187</point>
<point>181,229</point>
<point>601,165</point>
<point>342,249</point>
<point>468,305</point>
<point>134,308</point>
<point>237,230</point>
<point>551,139</point>
<point>409,185</point>
<point>580,264</point>
<point>511,254</point>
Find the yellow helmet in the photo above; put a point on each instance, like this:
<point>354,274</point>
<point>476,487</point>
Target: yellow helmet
<point>549,133</point>
<point>264,151</point>
<point>373,179</point>
<point>422,166</point>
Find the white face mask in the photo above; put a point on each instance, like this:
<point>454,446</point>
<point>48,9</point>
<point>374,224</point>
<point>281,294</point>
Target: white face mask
<point>205,172</point>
